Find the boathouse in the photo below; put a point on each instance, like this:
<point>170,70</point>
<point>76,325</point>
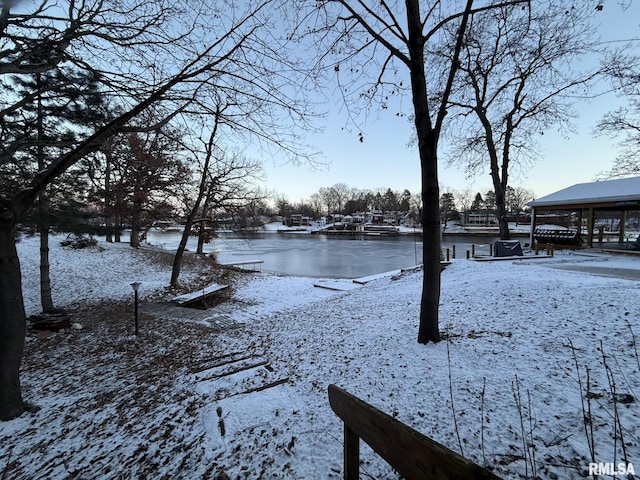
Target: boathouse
<point>612,205</point>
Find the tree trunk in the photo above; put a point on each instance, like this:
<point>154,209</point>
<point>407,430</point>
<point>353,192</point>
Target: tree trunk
<point>200,247</point>
<point>428,134</point>
<point>501,210</point>
<point>177,259</point>
<point>46,300</point>
<point>12,318</point>
<point>108,201</point>
<point>43,214</point>
<point>118,229</point>
<point>203,224</point>
<point>134,240</point>
<point>43,228</point>
<point>430,302</point>
<point>499,184</point>
<point>427,145</point>
<point>45,279</point>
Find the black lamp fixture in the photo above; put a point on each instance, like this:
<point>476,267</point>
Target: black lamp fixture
<point>136,286</point>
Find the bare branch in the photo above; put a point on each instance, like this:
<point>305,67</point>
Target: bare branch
<point>378,36</point>
<point>442,111</point>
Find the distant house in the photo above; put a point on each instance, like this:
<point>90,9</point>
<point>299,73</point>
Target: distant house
<point>585,203</point>
<point>352,219</point>
<point>334,218</point>
<point>296,220</point>
<point>378,217</point>
<point>482,217</point>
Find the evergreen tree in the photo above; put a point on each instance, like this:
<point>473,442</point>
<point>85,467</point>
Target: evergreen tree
<point>447,208</point>
<point>59,105</point>
<point>478,203</point>
<point>405,201</point>
<point>490,201</point>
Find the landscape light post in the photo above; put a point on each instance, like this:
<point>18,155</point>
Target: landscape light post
<point>136,286</point>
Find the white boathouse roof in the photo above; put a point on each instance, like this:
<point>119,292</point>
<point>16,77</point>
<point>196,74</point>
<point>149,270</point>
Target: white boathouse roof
<point>614,192</point>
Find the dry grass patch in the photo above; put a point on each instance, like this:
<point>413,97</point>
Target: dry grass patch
<point>111,405</point>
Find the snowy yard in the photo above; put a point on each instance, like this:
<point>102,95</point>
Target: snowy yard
<point>171,403</point>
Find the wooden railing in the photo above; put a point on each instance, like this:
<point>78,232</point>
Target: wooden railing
<point>413,455</point>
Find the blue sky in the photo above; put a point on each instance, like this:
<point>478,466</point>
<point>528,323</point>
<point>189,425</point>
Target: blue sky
<point>384,159</point>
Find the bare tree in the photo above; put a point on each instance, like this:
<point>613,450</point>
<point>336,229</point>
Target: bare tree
<point>316,205</point>
<point>624,121</point>
<point>372,45</point>
<point>246,109</point>
<point>416,205</point>
<point>227,183</point>
<point>200,196</point>
<point>150,171</point>
<point>465,199</point>
<point>143,53</point>
<point>518,69</point>
<point>340,195</point>
<point>328,199</point>
<point>517,199</point>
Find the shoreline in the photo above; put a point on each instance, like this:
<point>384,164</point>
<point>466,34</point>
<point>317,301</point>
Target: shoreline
<point>481,233</point>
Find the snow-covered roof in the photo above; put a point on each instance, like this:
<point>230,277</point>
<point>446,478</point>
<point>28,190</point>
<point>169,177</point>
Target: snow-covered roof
<point>605,191</point>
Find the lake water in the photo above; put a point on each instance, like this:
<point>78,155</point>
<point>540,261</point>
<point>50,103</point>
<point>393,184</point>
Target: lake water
<point>320,255</point>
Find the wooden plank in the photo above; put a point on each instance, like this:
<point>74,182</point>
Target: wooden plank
<point>411,454</point>
<point>263,387</point>
<point>224,359</point>
<point>242,367</point>
<point>242,265</point>
<point>195,296</point>
<point>243,262</point>
<point>365,280</point>
<point>337,285</point>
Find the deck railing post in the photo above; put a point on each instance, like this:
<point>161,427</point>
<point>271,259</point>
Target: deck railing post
<point>411,454</point>
<point>351,454</point>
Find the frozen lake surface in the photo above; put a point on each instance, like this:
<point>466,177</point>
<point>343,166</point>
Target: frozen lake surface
<point>319,255</point>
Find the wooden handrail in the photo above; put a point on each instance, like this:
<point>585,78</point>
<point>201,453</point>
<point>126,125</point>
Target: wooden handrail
<point>413,455</point>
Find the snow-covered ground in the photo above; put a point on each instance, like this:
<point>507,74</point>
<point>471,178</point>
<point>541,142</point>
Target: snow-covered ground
<point>507,387</point>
